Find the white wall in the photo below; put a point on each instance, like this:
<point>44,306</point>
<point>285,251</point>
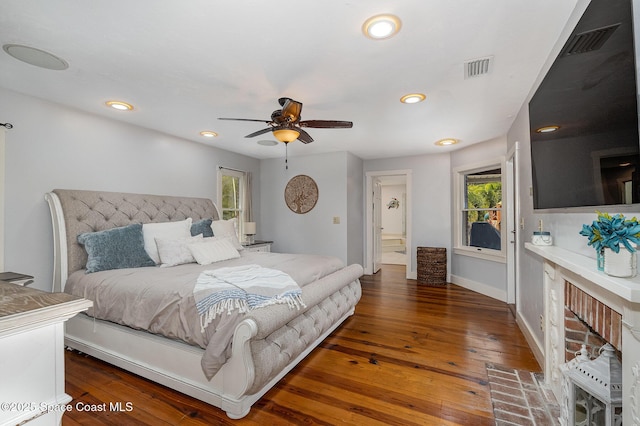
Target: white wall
<point>339,179</point>
<point>392,219</point>
<point>564,224</point>
<point>52,146</point>
<point>355,210</point>
<point>430,199</point>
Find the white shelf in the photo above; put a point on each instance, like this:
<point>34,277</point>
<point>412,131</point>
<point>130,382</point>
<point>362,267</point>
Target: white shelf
<point>626,288</point>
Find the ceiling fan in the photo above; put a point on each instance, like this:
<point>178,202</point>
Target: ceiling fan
<point>287,126</point>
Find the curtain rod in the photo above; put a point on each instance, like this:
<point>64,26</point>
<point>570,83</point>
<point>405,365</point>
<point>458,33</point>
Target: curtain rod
<point>229,168</point>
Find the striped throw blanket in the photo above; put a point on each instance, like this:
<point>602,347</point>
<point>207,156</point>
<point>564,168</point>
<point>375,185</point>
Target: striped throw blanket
<point>243,288</point>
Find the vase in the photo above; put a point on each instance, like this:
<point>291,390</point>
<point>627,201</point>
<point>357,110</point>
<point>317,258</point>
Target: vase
<point>622,264</point>
<point>600,259</point>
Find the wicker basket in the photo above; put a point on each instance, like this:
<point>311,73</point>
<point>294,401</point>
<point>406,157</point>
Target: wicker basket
<point>432,265</point>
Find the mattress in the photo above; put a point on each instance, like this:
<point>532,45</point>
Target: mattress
<point>160,300</point>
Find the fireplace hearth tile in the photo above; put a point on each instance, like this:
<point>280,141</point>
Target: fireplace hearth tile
<point>521,398</point>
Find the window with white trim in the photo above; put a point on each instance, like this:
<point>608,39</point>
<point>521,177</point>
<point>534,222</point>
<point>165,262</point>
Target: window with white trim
<point>479,225</point>
<point>232,193</point>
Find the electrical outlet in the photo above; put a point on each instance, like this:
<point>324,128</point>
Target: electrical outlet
<point>522,223</point>
<point>542,323</point>
<point>336,220</point>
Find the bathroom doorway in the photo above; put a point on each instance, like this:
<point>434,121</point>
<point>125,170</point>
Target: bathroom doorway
<point>394,219</point>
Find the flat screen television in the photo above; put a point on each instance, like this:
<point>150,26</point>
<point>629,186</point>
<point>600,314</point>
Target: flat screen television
<point>584,115</point>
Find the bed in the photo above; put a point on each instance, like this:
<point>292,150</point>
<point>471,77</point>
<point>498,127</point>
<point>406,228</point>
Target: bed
<point>230,367</point>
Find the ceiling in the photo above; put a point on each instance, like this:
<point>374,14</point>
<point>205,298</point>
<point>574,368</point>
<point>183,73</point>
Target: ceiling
<point>183,64</point>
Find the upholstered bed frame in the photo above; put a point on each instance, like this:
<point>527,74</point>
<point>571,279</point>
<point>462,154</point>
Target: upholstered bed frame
<point>266,345</point>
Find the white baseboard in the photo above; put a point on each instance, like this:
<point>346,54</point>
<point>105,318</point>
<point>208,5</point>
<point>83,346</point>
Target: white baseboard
<point>487,290</point>
<point>534,344</point>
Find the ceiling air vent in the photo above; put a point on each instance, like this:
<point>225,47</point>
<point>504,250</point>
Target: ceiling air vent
<point>477,67</point>
<point>587,41</point>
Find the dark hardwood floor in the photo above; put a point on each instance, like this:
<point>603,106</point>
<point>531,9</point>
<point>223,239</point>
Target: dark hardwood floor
<point>411,355</point>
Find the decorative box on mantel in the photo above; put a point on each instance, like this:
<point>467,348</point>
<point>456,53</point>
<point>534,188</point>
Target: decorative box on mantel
<point>562,269</point>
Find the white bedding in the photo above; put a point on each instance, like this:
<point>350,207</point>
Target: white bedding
<point>160,300</point>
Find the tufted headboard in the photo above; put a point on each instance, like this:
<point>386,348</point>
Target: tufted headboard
<point>74,212</point>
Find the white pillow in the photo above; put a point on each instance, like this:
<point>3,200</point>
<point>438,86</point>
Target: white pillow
<point>212,250</point>
<point>226,229</point>
<point>168,230</point>
<point>175,251</point>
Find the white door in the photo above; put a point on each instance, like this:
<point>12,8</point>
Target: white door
<point>377,224</point>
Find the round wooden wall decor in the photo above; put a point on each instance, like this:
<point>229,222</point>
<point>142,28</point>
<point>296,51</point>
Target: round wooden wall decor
<point>301,194</point>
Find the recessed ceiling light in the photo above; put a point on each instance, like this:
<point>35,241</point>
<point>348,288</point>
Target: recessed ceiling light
<point>412,98</point>
<point>208,134</point>
<point>380,27</point>
<point>120,106</point>
<point>547,129</point>
<point>447,142</point>
<point>267,142</point>
<point>36,57</point>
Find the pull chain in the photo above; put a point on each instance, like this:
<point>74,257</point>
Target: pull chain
<point>286,156</point>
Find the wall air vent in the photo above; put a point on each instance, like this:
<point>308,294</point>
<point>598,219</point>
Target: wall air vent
<point>477,67</point>
<point>587,41</point>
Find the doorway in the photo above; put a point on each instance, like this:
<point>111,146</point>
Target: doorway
<point>512,195</point>
<point>393,219</point>
<point>388,220</point>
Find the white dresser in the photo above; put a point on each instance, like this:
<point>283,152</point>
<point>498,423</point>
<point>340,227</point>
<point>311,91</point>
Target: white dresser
<point>32,354</point>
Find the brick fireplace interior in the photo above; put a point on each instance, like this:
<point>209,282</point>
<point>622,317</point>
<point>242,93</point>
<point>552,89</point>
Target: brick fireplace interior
<point>588,321</point>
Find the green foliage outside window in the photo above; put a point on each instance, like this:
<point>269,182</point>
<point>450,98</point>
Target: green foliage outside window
<point>230,197</point>
<point>482,197</point>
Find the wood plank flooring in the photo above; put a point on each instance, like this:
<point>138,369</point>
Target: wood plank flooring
<point>411,355</point>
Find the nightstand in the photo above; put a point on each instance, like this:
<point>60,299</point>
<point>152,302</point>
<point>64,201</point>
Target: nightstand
<point>32,348</point>
<point>258,245</point>
<point>16,278</point>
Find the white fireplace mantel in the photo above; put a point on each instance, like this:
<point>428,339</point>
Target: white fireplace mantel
<point>620,294</point>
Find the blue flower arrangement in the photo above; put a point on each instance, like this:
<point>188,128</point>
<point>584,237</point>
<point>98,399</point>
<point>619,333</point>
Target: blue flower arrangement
<point>611,231</point>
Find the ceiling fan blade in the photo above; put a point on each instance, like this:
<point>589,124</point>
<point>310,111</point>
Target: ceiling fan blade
<point>304,136</point>
<point>326,124</point>
<point>246,119</point>
<point>291,109</point>
<point>260,132</point>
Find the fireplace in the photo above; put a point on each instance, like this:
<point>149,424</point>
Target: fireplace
<point>585,306</point>
<point>591,376</point>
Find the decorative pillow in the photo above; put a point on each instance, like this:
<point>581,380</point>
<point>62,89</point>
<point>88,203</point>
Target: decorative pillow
<point>115,248</point>
<point>202,227</point>
<point>168,230</point>
<point>175,251</point>
<point>213,250</point>
<point>226,229</point>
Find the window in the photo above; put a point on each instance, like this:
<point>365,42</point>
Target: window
<point>479,228</point>
<point>234,197</point>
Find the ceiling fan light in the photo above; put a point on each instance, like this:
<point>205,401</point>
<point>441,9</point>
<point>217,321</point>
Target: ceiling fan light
<point>286,135</point>
<point>412,98</point>
<point>380,27</point>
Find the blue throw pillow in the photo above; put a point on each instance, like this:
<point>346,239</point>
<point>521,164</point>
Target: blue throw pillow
<point>115,248</point>
<point>202,227</point>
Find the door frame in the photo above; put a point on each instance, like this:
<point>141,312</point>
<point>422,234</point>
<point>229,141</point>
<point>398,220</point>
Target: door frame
<point>513,228</point>
<point>368,261</point>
